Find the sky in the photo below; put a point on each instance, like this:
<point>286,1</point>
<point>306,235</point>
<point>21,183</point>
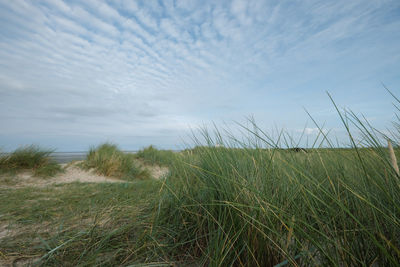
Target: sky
<point>77,73</point>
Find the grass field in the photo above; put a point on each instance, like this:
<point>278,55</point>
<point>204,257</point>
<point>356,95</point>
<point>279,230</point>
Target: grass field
<point>227,202</point>
<point>76,224</point>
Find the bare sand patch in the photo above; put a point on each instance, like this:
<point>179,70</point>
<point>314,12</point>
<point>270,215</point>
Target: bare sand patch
<point>4,231</point>
<point>72,173</point>
<point>156,171</point>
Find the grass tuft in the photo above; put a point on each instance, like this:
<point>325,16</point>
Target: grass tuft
<point>31,158</point>
<point>107,159</point>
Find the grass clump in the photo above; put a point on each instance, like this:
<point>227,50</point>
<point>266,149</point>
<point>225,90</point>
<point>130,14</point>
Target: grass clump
<point>152,155</point>
<point>107,159</point>
<point>31,158</point>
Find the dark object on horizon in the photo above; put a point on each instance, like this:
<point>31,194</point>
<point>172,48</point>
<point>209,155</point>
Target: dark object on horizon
<point>298,149</point>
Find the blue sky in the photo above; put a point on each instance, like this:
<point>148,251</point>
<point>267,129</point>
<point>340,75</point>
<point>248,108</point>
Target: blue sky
<point>76,73</point>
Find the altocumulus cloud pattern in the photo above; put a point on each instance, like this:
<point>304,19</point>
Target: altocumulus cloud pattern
<point>140,72</point>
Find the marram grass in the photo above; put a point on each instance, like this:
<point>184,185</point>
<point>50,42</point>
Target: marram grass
<point>152,155</point>
<point>244,205</point>
<point>241,203</point>
<point>393,158</point>
<point>31,158</point>
<point>107,159</point>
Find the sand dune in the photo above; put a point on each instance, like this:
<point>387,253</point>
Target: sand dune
<point>72,173</point>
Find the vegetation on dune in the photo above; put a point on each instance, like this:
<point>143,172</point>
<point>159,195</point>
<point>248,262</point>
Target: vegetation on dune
<point>152,155</point>
<point>266,207</point>
<point>78,224</point>
<point>106,159</point>
<point>31,158</point>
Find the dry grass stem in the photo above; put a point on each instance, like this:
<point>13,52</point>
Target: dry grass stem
<point>393,158</point>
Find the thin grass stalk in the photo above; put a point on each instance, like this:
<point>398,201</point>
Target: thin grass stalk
<point>393,158</point>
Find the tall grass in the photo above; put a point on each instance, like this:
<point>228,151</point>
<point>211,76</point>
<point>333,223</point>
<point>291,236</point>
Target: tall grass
<point>31,158</point>
<point>250,203</point>
<point>107,159</point>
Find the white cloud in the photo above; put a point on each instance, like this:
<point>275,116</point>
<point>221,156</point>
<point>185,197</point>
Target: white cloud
<point>311,131</point>
<point>170,29</point>
<point>59,4</point>
<point>92,21</point>
<point>187,5</point>
<point>240,9</point>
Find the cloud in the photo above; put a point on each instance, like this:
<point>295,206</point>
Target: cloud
<point>311,131</point>
<point>80,111</point>
<point>239,9</point>
<point>150,66</point>
<point>170,29</point>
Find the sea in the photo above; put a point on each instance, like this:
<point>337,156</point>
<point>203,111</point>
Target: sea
<point>65,157</point>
